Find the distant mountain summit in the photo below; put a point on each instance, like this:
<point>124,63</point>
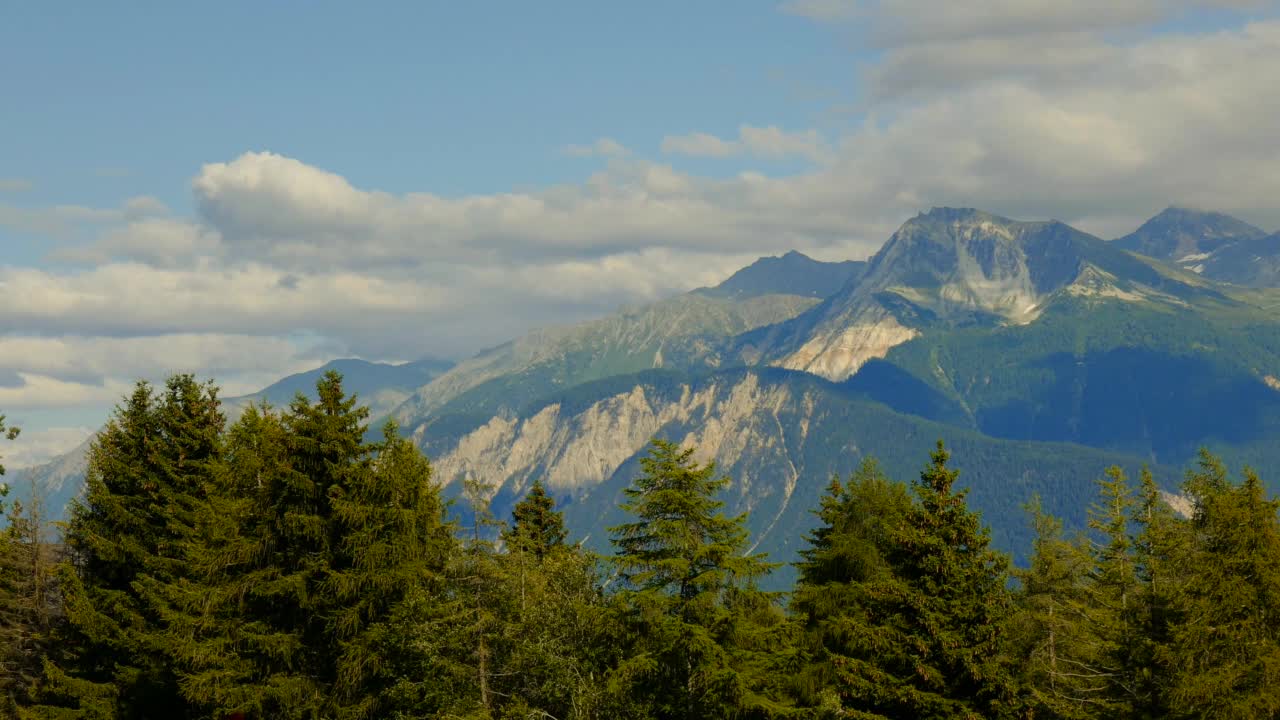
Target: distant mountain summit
<point>1211,244</point>
<point>381,386</point>
<point>791,274</point>
<point>955,267</point>
<point>1186,236</point>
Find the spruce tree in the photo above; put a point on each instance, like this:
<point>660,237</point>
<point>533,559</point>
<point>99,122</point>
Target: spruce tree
<point>857,523</point>
<point>1225,645</point>
<point>1112,594</point>
<point>146,469</point>
<point>28,601</point>
<point>394,547</point>
<point>924,639</point>
<point>266,626</point>
<point>691,605</point>
<point>536,527</point>
<point>1160,549</point>
<point>1049,635</point>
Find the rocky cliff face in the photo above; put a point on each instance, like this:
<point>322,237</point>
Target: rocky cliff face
<point>779,436</point>
<point>946,267</point>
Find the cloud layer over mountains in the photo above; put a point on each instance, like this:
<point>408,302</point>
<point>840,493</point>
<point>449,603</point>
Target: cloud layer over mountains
<point>1095,113</point>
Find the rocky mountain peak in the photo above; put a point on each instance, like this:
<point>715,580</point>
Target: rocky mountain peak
<point>1182,234</point>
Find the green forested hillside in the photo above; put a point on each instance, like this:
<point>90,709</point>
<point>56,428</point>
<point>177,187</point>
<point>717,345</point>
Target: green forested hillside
<point>287,566</point>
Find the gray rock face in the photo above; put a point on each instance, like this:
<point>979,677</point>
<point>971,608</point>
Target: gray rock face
<point>948,266</point>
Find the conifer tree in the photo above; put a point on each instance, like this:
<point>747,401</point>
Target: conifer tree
<point>394,544</point>
<point>857,523</point>
<point>924,639</point>
<point>28,601</point>
<point>8,433</point>
<point>689,595</point>
<point>266,625</point>
<point>536,527</point>
<point>145,470</point>
<point>1049,632</point>
<point>1160,550</point>
<point>1111,593</point>
<point>1225,649</point>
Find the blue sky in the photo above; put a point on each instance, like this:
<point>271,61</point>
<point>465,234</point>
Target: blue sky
<point>244,189</point>
<point>459,98</point>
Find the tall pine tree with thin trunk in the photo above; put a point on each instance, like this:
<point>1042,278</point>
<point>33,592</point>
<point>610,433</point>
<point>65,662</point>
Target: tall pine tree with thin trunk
<point>1048,635</point>
<point>29,605</point>
<point>689,596</point>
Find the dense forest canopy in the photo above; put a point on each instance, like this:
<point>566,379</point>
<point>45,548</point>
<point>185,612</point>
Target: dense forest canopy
<point>292,565</point>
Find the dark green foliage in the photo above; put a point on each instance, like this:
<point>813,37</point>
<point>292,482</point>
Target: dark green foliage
<point>394,546</point>
<point>922,637</point>
<point>536,527</point>
<point>289,567</point>
<point>29,603</point>
<point>147,469</point>
<point>694,618</point>
<point>858,522</point>
<point>1225,644</point>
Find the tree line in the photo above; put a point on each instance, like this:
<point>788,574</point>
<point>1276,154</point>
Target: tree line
<point>286,566</point>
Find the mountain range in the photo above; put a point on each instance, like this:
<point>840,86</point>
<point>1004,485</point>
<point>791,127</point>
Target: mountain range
<point>1040,353</point>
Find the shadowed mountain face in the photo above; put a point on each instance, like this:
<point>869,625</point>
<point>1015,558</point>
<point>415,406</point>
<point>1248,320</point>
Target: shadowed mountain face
<point>381,386</point>
<point>1211,244</point>
<point>1179,233</point>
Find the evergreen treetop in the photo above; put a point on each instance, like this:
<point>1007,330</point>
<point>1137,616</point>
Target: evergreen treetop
<point>536,527</point>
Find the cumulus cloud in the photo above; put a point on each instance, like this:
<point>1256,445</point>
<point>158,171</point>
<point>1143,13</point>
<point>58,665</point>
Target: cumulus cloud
<point>35,447</point>
<point>1029,115</point>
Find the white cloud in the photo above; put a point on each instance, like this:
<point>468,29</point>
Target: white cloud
<point>1030,116</point>
<point>699,145</point>
<point>80,357</point>
<point>42,391</point>
<point>763,142</point>
<point>34,447</point>
<point>604,147</point>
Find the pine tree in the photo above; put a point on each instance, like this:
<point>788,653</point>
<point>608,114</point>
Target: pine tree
<point>1050,634</point>
<point>689,595</point>
<point>28,601</point>
<point>8,433</point>
<point>395,545</point>
<point>1160,557</point>
<point>924,639</point>
<point>146,469</point>
<point>1111,594</point>
<point>262,629</point>
<point>1225,649</point>
<point>857,522</point>
<point>536,527</point>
